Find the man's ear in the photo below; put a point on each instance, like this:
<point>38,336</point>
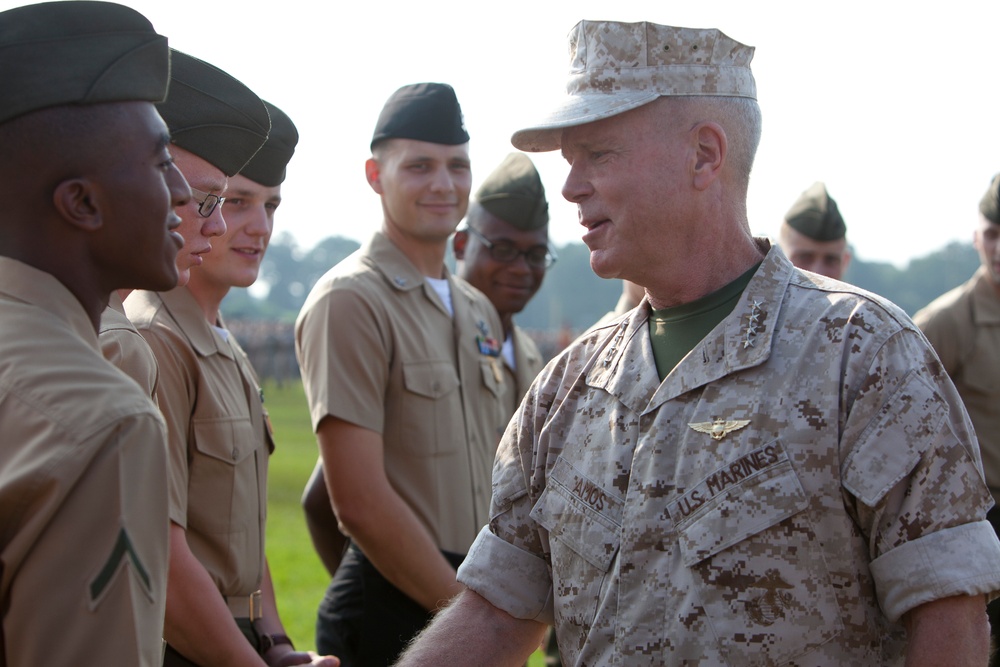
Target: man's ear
<point>458,243</point>
<point>710,152</point>
<point>76,201</point>
<point>373,173</point>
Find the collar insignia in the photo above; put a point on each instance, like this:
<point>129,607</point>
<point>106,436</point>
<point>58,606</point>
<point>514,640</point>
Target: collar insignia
<point>750,337</point>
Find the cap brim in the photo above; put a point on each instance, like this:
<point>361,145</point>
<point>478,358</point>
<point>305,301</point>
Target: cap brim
<point>576,110</point>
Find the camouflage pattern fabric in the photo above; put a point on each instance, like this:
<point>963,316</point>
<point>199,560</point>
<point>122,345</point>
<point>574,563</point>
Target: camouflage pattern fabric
<point>804,477</point>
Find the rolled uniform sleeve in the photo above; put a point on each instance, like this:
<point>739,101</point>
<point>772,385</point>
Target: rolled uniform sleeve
<point>913,472</point>
<point>513,542</point>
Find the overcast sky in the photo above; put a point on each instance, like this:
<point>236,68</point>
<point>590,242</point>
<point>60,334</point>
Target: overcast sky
<point>894,105</point>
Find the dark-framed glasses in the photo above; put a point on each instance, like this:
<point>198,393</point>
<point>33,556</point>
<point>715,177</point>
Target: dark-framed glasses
<point>206,202</point>
<point>538,256</point>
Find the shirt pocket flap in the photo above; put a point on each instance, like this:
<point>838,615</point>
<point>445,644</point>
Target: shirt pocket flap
<point>741,511</point>
<point>581,514</point>
<point>226,439</point>
<point>432,379</point>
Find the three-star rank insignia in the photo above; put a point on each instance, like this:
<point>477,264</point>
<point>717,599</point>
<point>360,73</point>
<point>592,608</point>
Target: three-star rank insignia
<point>719,428</point>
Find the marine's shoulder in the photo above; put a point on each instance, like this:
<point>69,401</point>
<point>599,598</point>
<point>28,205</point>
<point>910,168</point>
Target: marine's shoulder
<point>144,308</point>
<point>817,298</point>
<point>953,303</point>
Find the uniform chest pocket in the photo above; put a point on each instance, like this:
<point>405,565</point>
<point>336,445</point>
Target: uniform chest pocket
<point>223,485</point>
<point>424,422</point>
<point>430,379</point>
<point>581,514</point>
<point>227,439</point>
<point>757,565</point>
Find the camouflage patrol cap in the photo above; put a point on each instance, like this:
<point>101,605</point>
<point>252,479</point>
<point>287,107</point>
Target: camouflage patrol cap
<point>989,205</point>
<point>815,214</point>
<point>60,53</point>
<point>267,167</point>
<point>615,67</point>
<point>514,193</point>
<point>212,114</point>
<point>422,111</point>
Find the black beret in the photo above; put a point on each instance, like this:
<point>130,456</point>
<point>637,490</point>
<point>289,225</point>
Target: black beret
<point>267,167</point>
<point>989,205</point>
<point>212,114</point>
<point>422,111</point>
<point>514,193</point>
<point>815,214</point>
<point>61,53</point>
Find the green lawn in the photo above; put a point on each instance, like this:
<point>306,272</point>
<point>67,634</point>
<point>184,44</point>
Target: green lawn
<point>299,577</point>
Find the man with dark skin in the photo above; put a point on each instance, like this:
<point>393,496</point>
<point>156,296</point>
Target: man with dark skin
<point>90,193</point>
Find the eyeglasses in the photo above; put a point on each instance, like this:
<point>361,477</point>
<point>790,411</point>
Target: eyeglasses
<point>539,256</point>
<point>206,202</point>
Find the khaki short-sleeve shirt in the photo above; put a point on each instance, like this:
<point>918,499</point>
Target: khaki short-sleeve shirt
<point>378,349</point>
<point>963,325</point>
<point>527,364</point>
<point>83,500</point>
<point>217,435</point>
<point>801,479</point>
<point>124,347</point>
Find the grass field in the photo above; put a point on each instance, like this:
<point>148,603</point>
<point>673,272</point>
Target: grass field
<point>299,577</point>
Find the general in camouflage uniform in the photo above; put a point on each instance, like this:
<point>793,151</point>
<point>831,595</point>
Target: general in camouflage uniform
<point>756,466</point>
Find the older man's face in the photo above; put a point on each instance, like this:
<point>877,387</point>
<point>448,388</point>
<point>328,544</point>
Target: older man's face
<point>627,178</point>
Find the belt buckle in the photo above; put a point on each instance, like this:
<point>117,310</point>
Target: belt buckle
<point>256,608</point>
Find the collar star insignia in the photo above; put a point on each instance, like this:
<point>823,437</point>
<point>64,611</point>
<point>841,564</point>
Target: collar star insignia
<point>752,324</point>
<point>719,428</point>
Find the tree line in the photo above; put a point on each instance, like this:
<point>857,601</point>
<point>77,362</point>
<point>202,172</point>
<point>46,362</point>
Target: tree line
<point>572,297</point>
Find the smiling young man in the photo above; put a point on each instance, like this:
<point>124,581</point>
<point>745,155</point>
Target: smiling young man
<point>90,195</point>
<point>503,251</point>
<point>209,143</point>
<point>225,389</point>
<point>401,366</point>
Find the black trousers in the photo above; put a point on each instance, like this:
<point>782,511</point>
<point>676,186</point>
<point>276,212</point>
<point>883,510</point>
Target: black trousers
<point>171,658</point>
<point>993,608</point>
<point>363,619</point>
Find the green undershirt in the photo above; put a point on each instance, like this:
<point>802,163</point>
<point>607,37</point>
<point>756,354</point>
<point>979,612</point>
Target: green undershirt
<point>675,331</point>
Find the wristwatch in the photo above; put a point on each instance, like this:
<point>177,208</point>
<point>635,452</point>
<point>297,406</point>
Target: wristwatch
<point>267,642</point>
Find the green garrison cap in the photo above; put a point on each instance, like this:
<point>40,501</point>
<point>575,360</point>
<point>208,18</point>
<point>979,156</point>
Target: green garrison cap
<point>61,53</point>
<point>422,111</point>
<point>815,214</point>
<point>989,206</point>
<point>267,167</point>
<point>212,114</point>
<point>514,193</point>
<point>615,67</point>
